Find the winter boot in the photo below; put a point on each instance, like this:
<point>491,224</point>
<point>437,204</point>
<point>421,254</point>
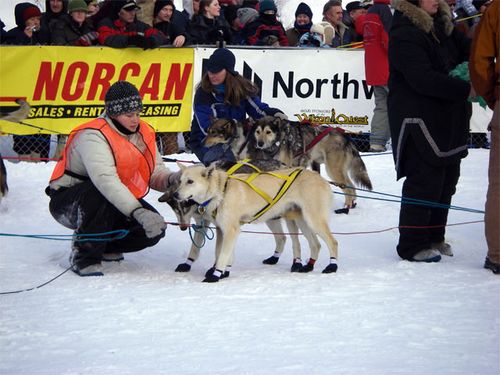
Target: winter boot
<point>443,247</point>
<point>427,255</point>
<point>494,267</point>
<point>82,267</point>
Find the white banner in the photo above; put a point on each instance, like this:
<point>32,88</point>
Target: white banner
<point>323,85</point>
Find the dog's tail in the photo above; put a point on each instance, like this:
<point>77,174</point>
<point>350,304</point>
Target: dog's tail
<point>19,114</point>
<point>3,179</point>
<point>357,168</point>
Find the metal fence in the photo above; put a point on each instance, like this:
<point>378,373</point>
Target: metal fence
<point>42,147</point>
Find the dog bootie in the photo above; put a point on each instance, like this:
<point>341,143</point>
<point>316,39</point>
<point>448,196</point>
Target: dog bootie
<point>443,247</point>
<point>427,256</point>
<point>183,267</point>
<point>494,267</point>
<point>271,260</point>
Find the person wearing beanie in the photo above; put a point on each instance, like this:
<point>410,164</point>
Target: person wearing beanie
<point>99,184</point>
<point>122,29</point>
<point>208,27</point>
<point>303,23</point>
<point>429,117</point>
<point>266,30</point>
<point>75,29</point>
<point>54,11</point>
<point>27,31</point>
<point>247,15</point>
<point>223,93</point>
<point>163,20</point>
<point>355,13</point>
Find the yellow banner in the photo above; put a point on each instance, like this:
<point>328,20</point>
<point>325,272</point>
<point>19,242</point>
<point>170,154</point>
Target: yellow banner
<point>65,86</point>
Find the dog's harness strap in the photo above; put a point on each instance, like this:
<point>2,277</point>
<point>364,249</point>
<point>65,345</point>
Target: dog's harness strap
<point>288,180</point>
<point>316,140</point>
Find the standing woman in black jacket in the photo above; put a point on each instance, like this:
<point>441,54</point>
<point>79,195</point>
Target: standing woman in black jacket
<point>208,26</point>
<point>429,120</point>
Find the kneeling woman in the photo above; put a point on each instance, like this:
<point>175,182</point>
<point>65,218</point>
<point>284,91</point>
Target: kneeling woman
<point>98,186</point>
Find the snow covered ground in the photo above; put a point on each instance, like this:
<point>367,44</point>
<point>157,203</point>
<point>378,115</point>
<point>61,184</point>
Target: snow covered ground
<point>377,315</point>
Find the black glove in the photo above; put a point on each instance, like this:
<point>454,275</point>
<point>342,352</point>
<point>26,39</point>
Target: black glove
<point>138,41</point>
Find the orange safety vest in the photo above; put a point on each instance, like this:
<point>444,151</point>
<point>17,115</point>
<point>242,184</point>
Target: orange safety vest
<point>133,166</point>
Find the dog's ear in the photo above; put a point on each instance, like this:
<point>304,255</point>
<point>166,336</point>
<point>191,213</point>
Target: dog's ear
<point>276,121</point>
<point>182,167</point>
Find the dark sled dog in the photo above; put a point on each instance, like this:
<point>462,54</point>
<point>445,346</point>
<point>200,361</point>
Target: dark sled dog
<point>187,210</point>
<point>301,144</point>
<point>16,116</point>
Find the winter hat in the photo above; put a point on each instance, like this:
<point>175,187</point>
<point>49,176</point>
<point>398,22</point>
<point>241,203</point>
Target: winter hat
<point>318,29</point>
<point>75,5</point>
<point>122,97</point>
<point>303,8</point>
<point>247,15</point>
<point>31,11</point>
<point>127,5</point>
<point>266,5</point>
<point>353,5</point>
<point>230,13</point>
<point>160,4</point>
<point>222,58</point>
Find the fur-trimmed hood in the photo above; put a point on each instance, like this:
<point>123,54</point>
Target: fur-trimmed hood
<point>422,19</point>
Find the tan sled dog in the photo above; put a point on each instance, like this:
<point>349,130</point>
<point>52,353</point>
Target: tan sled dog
<point>251,198</point>
<point>187,210</point>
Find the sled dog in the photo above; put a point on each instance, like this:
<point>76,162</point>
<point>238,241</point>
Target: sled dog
<point>187,210</point>
<point>221,196</point>
<point>300,144</point>
<point>16,116</point>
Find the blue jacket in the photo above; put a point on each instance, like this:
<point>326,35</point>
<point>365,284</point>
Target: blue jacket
<point>211,105</point>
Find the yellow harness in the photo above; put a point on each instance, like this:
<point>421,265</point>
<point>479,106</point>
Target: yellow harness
<point>287,182</point>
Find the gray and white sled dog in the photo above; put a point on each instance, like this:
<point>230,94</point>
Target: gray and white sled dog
<point>15,116</point>
<point>266,196</point>
<point>186,211</point>
<point>302,144</point>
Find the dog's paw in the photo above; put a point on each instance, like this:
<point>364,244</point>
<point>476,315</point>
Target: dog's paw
<point>307,268</point>
<point>331,268</point>
<point>296,267</point>
<point>271,260</point>
<point>220,275</point>
<point>183,267</point>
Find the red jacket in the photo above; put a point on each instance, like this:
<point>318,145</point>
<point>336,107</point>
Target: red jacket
<point>376,40</point>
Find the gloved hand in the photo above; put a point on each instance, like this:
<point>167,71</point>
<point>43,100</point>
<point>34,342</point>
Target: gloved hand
<point>152,222</point>
<point>151,43</point>
<point>87,39</point>
<point>138,41</point>
<point>281,115</point>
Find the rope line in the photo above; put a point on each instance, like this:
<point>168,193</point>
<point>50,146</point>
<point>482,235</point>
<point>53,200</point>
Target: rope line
<point>88,237</point>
